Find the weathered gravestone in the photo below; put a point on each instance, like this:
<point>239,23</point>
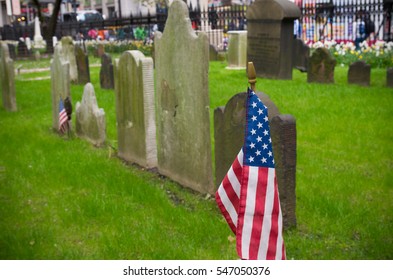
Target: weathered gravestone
<point>301,55</point>
<point>68,53</point>
<point>12,51</point>
<point>60,79</point>
<point>229,127</point>
<point>213,53</point>
<point>39,42</point>
<point>182,100</point>
<point>23,51</point>
<point>359,73</point>
<point>82,63</point>
<point>90,120</point>
<point>106,72</point>
<point>321,67</point>
<point>7,79</point>
<point>270,37</point>
<point>28,43</point>
<point>54,41</point>
<point>237,50</point>
<point>99,50</point>
<point>135,110</point>
<point>389,77</point>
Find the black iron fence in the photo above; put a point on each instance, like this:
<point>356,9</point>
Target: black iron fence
<point>320,20</point>
<point>345,20</point>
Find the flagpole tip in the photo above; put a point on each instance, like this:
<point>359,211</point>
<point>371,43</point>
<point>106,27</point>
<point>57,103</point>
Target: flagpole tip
<point>251,74</point>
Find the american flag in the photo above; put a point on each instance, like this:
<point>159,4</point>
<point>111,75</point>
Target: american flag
<point>248,195</point>
<point>63,118</point>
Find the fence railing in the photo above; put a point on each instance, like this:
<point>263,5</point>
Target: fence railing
<point>345,20</point>
<point>320,20</point>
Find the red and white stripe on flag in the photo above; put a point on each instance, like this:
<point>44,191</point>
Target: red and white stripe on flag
<point>228,193</point>
<point>259,230</point>
<point>63,118</point>
<point>253,212</point>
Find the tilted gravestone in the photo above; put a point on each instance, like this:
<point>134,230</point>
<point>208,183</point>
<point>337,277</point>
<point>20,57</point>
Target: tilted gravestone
<point>237,50</point>
<point>270,37</point>
<point>90,120</point>
<point>82,64</point>
<point>321,67</point>
<point>135,110</point>
<point>359,73</point>
<point>68,53</point>
<point>301,55</point>
<point>389,77</point>
<point>60,79</point>
<point>182,100</point>
<point>229,127</point>
<point>106,72</point>
<point>7,79</point>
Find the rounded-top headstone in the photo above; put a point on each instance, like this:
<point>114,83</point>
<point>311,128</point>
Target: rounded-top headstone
<point>273,10</point>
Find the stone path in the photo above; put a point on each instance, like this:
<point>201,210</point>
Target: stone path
<point>20,70</point>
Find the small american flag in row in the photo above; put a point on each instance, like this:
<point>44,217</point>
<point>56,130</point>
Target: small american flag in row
<point>63,118</point>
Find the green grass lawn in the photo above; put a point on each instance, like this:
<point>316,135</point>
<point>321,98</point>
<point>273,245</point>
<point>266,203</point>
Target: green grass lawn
<point>64,199</point>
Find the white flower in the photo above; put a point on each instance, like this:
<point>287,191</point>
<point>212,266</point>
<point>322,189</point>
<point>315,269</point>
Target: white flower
<point>318,45</point>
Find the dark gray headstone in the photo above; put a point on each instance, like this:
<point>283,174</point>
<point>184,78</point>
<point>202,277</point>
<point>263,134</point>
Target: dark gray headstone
<point>229,126</point>
<point>270,37</point>
<point>321,67</point>
<point>389,77</point>
<point>283,131</point>
<point>82,64</point>
<point>23,51</point>
<point>359,73</point>
<point>12,51</point>
<point>182,102</point>
<point>301,55</point>
<point>106,72</point>
<point>213,53</point>
<point>99,50</point>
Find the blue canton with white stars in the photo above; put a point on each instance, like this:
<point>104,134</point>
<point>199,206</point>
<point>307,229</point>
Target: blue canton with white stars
<point>258,143</point>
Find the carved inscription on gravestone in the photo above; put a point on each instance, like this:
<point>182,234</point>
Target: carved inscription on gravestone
<point>264,49</point>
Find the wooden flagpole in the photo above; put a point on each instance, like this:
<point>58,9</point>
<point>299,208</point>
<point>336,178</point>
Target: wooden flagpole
<point>252,76</point>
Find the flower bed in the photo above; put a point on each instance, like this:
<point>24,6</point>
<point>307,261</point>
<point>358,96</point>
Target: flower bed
<point>378,54</point>
<point>121,46</point>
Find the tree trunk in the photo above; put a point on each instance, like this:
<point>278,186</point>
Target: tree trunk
<point>49,29</point>
<point>52,27</point>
